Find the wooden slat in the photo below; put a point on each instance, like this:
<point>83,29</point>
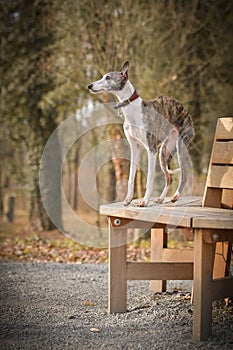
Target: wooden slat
<point>202,287</point>
<point>136,213</point>
<point>123,222</point>
<point>117,288</point>
<point>154,214</point>
<point>176,214</point>
<point>158,244</point>
<point>212,197</point>
<point>222,259</point>
<point>218,235</point>
<point>190,217</point>
<point>227,199</point>
<point>182,255</point>
<point>222,288</point>
<point>224,130</point>
<point>223,153</point>
<point>194,217</point>
<point>217,221</point>
<point>220,177</point>
<point>159,271</point>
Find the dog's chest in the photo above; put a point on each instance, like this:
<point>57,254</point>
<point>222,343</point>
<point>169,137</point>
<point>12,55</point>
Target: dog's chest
<point>134,127</point>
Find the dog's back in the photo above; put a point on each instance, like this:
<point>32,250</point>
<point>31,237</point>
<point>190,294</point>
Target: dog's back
<point>163,113</point>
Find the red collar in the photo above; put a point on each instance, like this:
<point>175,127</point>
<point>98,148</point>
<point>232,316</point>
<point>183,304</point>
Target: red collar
<point>133,97</point>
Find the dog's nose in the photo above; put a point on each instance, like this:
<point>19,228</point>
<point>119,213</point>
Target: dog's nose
<point>90,86</point>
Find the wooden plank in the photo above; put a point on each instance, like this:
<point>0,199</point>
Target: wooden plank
<point>158,243</point>
<point>220,177</point>
<point>222,288</point>
<point>212,197</point>
<point>202,287</point>
<point>222,259</point>
<point>222,153</point>
<point>208,211</point>
<point>113,209</point>
<point>118,222</point>
<point>117,288</point>
<point>181,255</point>
<point>194,201</point>
<point>194,217</point>
<point>213,222</point>
<point>224,130</point>
<point>155,214</point>
<point>159,271</point>
<point>227,199</point>
<point>162,214</point>
<point>218,235</point>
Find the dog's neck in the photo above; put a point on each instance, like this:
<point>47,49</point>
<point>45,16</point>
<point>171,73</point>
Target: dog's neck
<point>126,92</point>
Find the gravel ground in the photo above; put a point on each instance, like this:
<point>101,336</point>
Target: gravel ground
<point>64,306</point>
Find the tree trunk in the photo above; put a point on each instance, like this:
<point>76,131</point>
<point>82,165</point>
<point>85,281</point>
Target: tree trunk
<point>196,114</point>
<point>119,162</point>
<point>46,181</point>
<point>76,166</point>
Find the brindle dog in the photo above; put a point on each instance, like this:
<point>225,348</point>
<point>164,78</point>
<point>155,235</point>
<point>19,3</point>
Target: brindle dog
<point>162,123</point>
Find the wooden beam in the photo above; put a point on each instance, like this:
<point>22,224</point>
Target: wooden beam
<point>117,288</point>
<point>224,129</point>
<point>227,199</point>
<point>158,243</point>
<point>212,197</point>
<point>214,221</point>
<point>181,255</point>
<point>218,235</point>
<point>222,259</point>
<point>159,271</point>
<point>220,176</point>
<point>118,222</point>
<point>222,153</point>
<point>202,287</point>
<point>222,288</point>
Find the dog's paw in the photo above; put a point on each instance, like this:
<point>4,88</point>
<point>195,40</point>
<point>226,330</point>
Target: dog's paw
<point>159,200</point>
<point>127,201</point>
<point>175,197</point>
<point>142,203</point>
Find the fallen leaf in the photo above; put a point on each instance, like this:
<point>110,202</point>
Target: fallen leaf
<point>88,303</point>
<point>145,306</point>
<point>95,330</point>
<point>72,317</point>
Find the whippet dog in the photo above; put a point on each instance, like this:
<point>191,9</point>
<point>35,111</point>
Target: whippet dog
<point>162,123</point>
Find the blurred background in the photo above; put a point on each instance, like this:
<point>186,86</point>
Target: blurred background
<point>50,52</point>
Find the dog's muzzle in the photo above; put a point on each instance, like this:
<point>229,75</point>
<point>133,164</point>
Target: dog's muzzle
<point>90,86</point>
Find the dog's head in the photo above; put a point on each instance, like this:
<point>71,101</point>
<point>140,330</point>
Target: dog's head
<point>112,81</point>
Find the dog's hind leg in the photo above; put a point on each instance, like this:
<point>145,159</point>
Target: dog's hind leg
<point>183,141</point>
<point>134,148</point>
<point>164,155</point>
<point>181,149</point>
<point>167,150</point>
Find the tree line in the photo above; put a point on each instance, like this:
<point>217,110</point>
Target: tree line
<point>51,50</point>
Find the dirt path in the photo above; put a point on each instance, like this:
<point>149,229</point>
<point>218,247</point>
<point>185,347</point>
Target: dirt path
<point>64,306</point>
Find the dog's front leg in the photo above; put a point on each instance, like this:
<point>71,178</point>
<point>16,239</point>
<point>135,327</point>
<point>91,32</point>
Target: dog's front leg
<point>150,179</point>
<point>134,148</point>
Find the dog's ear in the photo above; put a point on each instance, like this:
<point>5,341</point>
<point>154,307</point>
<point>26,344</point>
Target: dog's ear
<point>125,67</point>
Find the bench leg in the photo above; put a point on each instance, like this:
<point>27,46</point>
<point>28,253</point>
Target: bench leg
<point>222,259</point>
<point>117,297</point>
<point>202,285</point>
<point>158,242</point>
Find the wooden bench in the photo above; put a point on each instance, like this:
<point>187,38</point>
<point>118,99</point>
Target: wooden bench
<point>210,222</point>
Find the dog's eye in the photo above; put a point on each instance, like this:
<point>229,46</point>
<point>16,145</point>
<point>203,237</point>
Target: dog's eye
<point>108,77</point>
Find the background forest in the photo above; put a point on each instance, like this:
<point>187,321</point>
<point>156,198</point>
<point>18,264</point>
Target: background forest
<point>50,52</point>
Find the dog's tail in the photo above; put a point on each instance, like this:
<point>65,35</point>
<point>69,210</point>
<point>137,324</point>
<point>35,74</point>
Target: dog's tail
<point>172,171</point>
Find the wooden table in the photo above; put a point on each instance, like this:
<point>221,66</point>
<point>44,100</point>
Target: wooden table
<point>208,226</point>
